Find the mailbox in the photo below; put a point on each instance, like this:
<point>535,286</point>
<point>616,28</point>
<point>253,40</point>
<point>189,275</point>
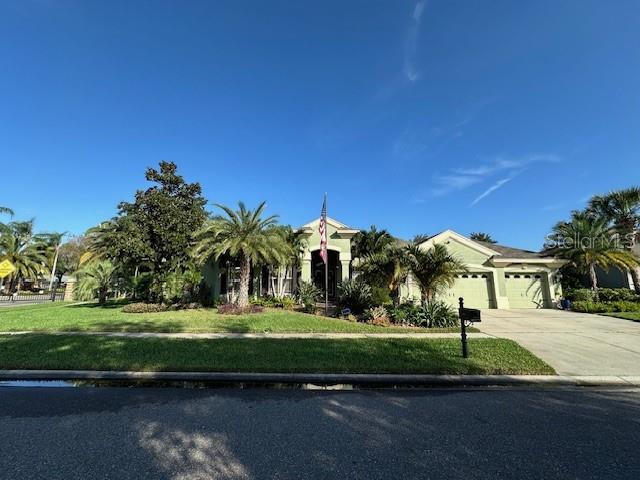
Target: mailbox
<point>470,315</point>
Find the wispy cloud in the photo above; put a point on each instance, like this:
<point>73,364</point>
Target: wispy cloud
<point>411,43</point>
<point>491,189</point>
<point>498,171</point>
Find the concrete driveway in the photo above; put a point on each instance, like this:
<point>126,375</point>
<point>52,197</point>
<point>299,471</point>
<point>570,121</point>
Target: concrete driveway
<point>572,343</point>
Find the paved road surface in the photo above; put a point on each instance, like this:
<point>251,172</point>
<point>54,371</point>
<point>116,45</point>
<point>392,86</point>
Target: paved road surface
<point>572,343</point>
<point>118,433</point>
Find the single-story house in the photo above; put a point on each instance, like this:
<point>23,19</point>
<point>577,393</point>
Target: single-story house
<point>497,276</point>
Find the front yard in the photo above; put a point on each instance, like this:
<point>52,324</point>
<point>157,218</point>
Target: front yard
<point>61,317</point>
<point>379,355</point>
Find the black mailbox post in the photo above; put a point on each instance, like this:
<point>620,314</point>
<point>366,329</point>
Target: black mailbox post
<point>470,315</point>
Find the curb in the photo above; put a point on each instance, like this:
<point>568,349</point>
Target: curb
<point>328,378</point>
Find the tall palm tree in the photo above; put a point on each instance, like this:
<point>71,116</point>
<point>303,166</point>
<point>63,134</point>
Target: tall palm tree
<point>434,269</point>
<point>245,236</point>
<point>622,209</point>
<point>95,280</point>
<point>370,242</point>
<point>51,243</point>
<point>21,247</point>
<point>6,210</point>
<point>482,237</point>
<point>589,241</point>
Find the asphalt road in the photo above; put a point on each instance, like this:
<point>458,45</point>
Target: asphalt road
<point>83,433</point>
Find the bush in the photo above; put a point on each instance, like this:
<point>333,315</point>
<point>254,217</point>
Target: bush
<point>377,316</point>
<point>354,295</point>
<point>606,307</point>
<point>141,307</point>
<point>618,294</point>
<point>233,309</point>
<point>580,295</point>
<point>307,296</point>
<point>287,303</point>
<point>436,314</point>
<point>380,296</point>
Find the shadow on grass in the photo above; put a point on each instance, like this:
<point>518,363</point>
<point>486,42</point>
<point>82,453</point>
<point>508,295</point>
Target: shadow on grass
<point>107,306</point>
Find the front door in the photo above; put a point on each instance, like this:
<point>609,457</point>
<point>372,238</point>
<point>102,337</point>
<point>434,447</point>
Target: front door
<point>318,270</point>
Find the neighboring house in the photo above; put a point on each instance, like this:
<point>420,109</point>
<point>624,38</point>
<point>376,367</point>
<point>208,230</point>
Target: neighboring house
<point>497,276</point>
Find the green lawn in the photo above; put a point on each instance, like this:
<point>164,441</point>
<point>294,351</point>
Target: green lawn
<point>435,356</point>
<point>61,317</point>
<point>635,316</point>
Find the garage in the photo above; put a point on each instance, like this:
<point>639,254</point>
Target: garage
<point>475,288</point>
<point>525,290</point>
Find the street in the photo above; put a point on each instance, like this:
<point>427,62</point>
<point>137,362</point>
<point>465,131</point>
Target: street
<point>83,433</point>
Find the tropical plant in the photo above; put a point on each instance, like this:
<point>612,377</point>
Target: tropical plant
<point>95,280</point>
<point>482,237</point>
<point>622,209</point>
<point>181,285</point>
<point>21,247</point>
<point>588,242</point>
<point>355,295</point>
<point>433,269</point>
<point>247,238</point>
<point>279,272</point>
<point>388,268</point>
<point>439,314</point>
<point>307,296</point>
<point>370,242</point>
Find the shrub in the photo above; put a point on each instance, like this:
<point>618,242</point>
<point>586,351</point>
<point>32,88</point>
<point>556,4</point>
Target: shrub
<point>580,295</point>
<point>380,296</point>
<point>606,307</point>
<point>355,295</point>
<point>618,294</point>
<point>624,306</point>
<point>141,307</point>
<point>436,314</point>
<point>307,296</point>
<point>377,316</point>
<point>287,303</point>
<point>233,309</point>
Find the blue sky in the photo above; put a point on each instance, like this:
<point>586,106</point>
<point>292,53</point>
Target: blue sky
<point>416,116</point>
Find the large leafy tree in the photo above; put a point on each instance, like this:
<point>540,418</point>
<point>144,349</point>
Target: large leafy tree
<point>622,209</point>
<point>24,250</point>
<point>482,237</point>
<point>245,236</point>
<point>434,269</point>
<point>589,241</point>
<point>69,256</point>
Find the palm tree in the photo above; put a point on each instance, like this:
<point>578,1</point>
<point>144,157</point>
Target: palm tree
<point>482,237</point>
<point>370,242</point>
<point>52,243</point>
<point>22,248</point>
<point>6,210</point>
<point>434,269</point>
<point>389,266</point>
<point>95,279</point>
<point>246,237</point>
<point>589,241</point>
<point>295,242</point>
<point>622,209</point>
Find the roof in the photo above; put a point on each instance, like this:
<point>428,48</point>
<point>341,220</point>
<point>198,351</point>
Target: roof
<point>510,252</point>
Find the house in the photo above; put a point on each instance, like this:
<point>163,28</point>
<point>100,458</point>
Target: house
<point>497,276</point>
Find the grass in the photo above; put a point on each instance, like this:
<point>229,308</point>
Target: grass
<point>61,317</point>
<point>634,316</point>
<point>435,356</point>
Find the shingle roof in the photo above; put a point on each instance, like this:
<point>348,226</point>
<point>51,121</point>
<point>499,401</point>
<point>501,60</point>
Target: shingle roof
<point>510,252</point>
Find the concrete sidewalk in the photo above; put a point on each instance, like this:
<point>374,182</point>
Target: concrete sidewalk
<point>328,378</point>
<point>214,336</point>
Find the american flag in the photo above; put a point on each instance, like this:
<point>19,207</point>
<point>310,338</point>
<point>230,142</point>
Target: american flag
<point>323,231</point>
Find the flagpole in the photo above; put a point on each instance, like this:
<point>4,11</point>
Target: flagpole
<point>326,267</point>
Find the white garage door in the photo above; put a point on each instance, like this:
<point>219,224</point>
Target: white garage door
<point>475,288</point>
<point>525,290</point>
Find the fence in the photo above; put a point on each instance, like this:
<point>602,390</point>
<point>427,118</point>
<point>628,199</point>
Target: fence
<point>32,297</point>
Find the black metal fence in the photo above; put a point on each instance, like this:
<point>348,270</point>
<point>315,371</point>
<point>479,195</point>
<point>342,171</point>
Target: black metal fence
<point>33,297</point>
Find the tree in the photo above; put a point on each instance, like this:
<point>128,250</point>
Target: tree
<point>295,242</point>
<point>247,238</point>
<point>434,269</point>
<point>95,280</point>
<point>387,268</point>
<point>52,243</point>
<point>69,256</point>
<point>21,247</point>
<point>370,242</point>
<point>167,215</point>
<point>622,209</point>
<point>420,238</point>
<point>482,237</point>
<point>6,210</point>
<point>589,241</point>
